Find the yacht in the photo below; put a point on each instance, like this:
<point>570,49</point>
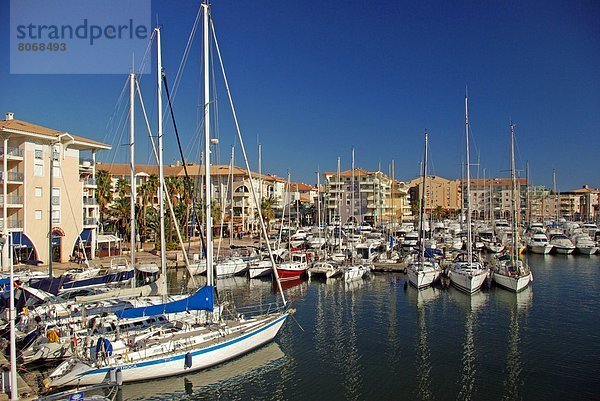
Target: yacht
<point>562,244</point>
<point>538,243</point>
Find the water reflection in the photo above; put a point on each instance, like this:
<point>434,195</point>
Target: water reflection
<point>422,299</point>
<point>247,368</point>
<point>518,304</point>
<point>352,376</point>
<point>472,304</point>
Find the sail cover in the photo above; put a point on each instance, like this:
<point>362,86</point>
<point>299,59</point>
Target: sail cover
<point>203,299</point>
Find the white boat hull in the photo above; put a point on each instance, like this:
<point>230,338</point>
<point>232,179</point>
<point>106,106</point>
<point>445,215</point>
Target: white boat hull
<point>515,283</point>
<point>174,363</point>
<point>355,272</point>
<point>422,278</point>
<point>587,250</point>
<point>564,250</point>
<point>467,282</point>
<point>541,249</point>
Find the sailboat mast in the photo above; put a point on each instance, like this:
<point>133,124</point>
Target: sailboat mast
<point>207,191</point>
<point>513,178</point>
<point>423,197</point>
<point>555,195</point>
<point>468,168</point>
<point>352,208</point>
<point>161,173</point>
<point>319,202</point>
<point>132,238</point>
<point>231,164</point>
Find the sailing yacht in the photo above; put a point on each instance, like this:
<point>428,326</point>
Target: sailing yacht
<point>187,346</point>
<point>510,271</point>
<point>467,272</point>
<point>423,272</point>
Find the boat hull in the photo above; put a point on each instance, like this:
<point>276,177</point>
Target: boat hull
<point>465,282</point>
<point>541,249</point>
<point>175,363</point>
<point>290,274</point>
<point>422,278</point>
<point>564,250</point>
<point>514,284</point>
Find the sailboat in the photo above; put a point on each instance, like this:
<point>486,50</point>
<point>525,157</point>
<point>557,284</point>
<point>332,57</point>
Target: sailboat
<point>510,271</point>
<point>467,272</point>
<point>423,272</point>
<point>189,346</point>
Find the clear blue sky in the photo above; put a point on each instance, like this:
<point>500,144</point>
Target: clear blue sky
<point>312,79</point>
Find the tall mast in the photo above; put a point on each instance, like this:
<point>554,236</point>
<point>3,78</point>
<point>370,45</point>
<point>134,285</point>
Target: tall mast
<point>468,168</point>
<point>339,194</point>
<point>207,187</point>
<point>260,187</point>
<point>319,202</point>
<point>556,212</point>
<point>513,178</point>
<point>231,192</point>
<point>132,238</point>
<point>423,197</point>
<point>352,208</point>
<point>393,219</point>
<point>161,173</point>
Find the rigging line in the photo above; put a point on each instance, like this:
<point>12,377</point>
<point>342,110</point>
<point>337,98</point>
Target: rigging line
<point>164,187</point>
<point>185,170</point>
<point>254,197</point>
<point>186,52</point>
<point>123,124</point>
<point>62,176</point>
<point>147,52</point>
<point>109,124</point>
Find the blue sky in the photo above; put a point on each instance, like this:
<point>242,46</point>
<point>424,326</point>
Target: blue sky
<point>311,80</point>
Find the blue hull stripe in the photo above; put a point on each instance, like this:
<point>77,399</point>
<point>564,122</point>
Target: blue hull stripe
<point>194,353</point>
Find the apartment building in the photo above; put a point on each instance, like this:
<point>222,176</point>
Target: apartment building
<point>495,194</point>
<point>372,197</point>
<point>441,192</point>
<point>41,167</point>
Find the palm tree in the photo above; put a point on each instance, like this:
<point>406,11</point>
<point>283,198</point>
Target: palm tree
<point>103,192</point>
<point>122,188</point>
<point>120,212</point>
<point>267,209</point>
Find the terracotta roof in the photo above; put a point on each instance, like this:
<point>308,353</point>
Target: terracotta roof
<point>348,173</point>
<point>194,170</point>
<point>29,128</point>
<point>585,190</point>
<point>302,187</point>
<point>502,182</point>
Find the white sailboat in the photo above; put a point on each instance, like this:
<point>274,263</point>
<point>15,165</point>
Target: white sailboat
<point>467,273</point>
<point>184,348</point>
<point>510,271</point>
<point>423,272</point>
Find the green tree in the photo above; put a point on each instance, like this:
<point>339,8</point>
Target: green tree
<point>103,193</point>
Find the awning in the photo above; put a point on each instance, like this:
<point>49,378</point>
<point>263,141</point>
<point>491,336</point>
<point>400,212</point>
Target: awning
<point>20,240</point>
<point>86,235</point>
<point>107,238</point>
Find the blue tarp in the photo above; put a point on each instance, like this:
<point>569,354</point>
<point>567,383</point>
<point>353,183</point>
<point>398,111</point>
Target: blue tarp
<point>203,299</point>
<point>86,235</point>
<point>20,240</point>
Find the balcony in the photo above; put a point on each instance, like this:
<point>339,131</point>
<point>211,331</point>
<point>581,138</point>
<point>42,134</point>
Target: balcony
<point>11,200</point>
<point>89,182</point>
<point>11,224</point>
<point>13,176</point>
<point>90,221</point>
<point>90,202</point>
<point>12,153</point>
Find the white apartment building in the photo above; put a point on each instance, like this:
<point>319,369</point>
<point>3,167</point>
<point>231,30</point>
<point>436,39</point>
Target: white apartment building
<point>31,180</point>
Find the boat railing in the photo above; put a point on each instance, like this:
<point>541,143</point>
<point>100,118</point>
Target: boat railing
<point>260,309</point>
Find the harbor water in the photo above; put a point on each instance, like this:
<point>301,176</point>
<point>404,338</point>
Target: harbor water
<point>378,340</point>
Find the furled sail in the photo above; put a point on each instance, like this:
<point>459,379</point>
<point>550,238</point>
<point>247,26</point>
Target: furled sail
<point>203,299</point>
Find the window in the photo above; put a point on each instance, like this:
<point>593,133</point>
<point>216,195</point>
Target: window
<point>38,154</point>
<point>38,170</point>
<point>38,214</point>
<point>38,192</point>
<point>56,217</point>
<point>56,196</point>
<point>38,166</point>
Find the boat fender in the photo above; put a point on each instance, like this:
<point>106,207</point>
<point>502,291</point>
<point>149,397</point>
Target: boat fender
<point>188,360</point>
